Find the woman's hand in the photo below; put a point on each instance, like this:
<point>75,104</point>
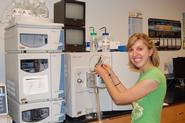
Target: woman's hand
<point>107,68</point>
<point>102,70</point>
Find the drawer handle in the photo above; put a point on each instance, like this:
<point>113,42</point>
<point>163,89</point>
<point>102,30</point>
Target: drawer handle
<point>181,113</point>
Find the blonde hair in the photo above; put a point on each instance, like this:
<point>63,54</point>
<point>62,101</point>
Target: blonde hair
<point>149,43</point>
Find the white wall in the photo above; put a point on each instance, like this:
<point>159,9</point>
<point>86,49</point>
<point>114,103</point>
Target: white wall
<point>2,66</point>
<point>114,15</point>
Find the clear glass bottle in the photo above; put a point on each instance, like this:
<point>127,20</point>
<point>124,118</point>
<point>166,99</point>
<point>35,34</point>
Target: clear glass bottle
<point>93,40</point>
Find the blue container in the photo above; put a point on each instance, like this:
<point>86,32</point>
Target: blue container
<point>122,48</point>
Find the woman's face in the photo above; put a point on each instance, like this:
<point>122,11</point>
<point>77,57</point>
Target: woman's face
<point>139,54</point>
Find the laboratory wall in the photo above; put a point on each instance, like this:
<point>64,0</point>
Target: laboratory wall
<point>114,15</point>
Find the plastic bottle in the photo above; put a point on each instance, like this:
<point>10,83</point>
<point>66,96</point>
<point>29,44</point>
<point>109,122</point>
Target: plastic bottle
<point>93,40</point>
<point>105,40</point>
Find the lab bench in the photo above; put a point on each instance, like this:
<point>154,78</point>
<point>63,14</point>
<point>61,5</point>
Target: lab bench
<point>173,113</point>
<point>105,115</point>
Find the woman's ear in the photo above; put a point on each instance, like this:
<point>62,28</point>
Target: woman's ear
<point>151,51</point>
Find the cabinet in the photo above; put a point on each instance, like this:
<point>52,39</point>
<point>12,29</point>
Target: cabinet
<point>173,114</point>
<point>117,119</point>
<point>170,114</point>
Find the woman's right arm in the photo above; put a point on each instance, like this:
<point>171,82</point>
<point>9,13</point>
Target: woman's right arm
<point>117,83</point>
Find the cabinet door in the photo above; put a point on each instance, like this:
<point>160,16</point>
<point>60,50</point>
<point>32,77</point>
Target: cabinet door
<point>173,114</point>
<point>180,113</point>
<point>168,115</point>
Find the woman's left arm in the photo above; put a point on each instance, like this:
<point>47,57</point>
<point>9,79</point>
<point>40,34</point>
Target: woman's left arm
<point>134,93</point>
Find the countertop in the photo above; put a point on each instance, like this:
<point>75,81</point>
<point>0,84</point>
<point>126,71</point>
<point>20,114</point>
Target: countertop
<point>109,114</point>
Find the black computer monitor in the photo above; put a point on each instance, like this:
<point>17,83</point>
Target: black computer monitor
<point>179,67</point>
<point>71,13</point>
<point>74,39</point>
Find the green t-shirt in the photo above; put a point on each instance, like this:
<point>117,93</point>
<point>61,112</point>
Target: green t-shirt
<point>148,109</point>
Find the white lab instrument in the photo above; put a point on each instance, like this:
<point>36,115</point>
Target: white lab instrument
<point>80,99</point>
<point>35,76</point>
<point>28,76</point>
<point>57,75</point>
<point>34,37</point>
<point>3,99</point>
<point>38,112</point>
<point>78,81</point>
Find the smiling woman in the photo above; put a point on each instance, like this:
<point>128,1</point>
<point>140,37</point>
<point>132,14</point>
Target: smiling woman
<point>140,46</point>
<point>147,95</point>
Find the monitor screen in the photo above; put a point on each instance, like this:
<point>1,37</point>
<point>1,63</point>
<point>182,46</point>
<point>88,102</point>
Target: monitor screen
<point>74,36</point>
<point>74,11</point>
<point>70,13</point>
<point>74,39</point>
<point>178,65</point>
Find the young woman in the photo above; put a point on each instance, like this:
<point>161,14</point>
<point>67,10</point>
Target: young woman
<point>148,93</point>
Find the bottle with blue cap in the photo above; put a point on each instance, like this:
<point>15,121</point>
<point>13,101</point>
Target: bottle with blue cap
<point>105,40</point>
<point>93,40</point>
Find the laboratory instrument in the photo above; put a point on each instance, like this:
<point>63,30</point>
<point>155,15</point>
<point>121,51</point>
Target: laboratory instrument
<point>23,36</point>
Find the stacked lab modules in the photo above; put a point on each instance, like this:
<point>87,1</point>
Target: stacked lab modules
<point>34,72</point>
